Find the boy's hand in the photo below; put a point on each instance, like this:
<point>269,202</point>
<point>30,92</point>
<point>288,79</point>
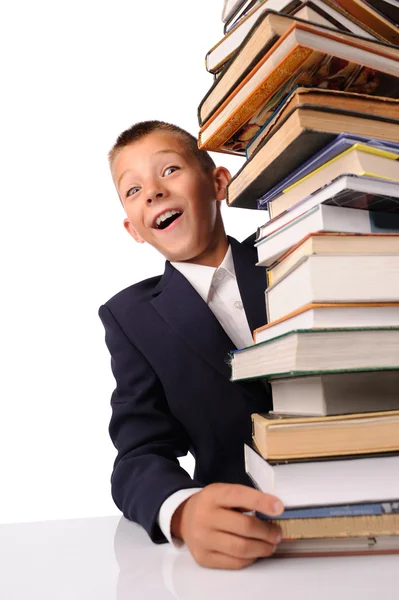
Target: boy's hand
<point>216,532</point>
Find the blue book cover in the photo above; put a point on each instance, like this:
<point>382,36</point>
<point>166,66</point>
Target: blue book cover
<point>341,143</point>
<point>345,510</point>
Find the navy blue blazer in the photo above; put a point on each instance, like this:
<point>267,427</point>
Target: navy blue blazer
<point>170,359</point>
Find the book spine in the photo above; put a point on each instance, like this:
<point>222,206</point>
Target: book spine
<point>280,75</point>
<point>345,510</point>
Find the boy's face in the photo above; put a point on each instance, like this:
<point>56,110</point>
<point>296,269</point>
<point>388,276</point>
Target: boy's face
<point>169,200</point>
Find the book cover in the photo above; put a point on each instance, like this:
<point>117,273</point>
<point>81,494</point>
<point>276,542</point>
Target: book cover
<point>343,510</point>
<point>374,20</point>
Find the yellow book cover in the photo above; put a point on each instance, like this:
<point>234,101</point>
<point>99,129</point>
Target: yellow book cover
<point>372,19</point>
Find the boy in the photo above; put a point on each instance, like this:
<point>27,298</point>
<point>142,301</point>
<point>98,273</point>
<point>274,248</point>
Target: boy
<point>169,339</point>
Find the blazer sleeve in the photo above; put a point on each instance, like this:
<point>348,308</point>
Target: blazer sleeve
<point>146,435</point>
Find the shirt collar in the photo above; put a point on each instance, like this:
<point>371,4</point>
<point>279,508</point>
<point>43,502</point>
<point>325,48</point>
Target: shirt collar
<point>201,276</point>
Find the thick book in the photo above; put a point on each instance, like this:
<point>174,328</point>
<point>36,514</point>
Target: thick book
<point>359,159</point>
<point>350,191</point>
<point>220,53</point>
<point>350,102</point>
<point>376,21</point>
<point>334,278</point>
<point>317,352</point>
<point>296,139</point>
<point>337,243</point>
<point>351,546</point>
<point>305,54</point>
<point>325,315</point>
<point>320,218</point>
<point>336,393</point>
<point>325,482</point>
<point>292,438</point>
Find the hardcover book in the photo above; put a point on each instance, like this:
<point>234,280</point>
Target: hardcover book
<point>325,482</point>
<point>325,315</point>
<point>319,219</point>
<point>291,438</point>
<point>336,394</point>
<point>334,278</point>
<point>318,351</point>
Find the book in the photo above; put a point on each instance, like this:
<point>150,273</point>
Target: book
<point>323,217</point>
<point>220,53</point>
<point>349,102</point>
<point>343,510</point>
<point>291,438</point>
<point>334,278</point>
<point>376,21</point>
<point>324,316</point>
<point>349,191</point>
<point>335,394</point>
<point>337,243</point>
<point>359,159</point>
<point>305,54</point>
<point>318,351</point>
<point>340,144</point>
<point>325,482</point>
<point>339,527</point>
<point>357,546</point>
<point>296,139</point>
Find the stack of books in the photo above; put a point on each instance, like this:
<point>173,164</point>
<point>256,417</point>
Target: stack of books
<point>308,93</point>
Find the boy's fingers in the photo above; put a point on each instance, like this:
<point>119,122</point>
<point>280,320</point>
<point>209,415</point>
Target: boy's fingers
<point>249,527</point>
<point>248,499</point>
<point>217,560</point>
<point>239,547</point>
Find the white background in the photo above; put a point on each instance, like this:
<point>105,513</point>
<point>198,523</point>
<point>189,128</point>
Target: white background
<point>74,75</point>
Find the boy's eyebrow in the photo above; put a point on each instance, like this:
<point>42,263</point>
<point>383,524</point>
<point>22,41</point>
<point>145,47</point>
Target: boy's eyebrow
<point>164,151</point>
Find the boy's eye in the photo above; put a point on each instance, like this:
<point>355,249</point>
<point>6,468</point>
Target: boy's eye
<point>132,191</point>
<point>170,170</point>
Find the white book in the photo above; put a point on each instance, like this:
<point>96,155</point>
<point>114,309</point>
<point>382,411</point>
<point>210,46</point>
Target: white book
<point>326,316</point>
<point>318,351</point>
<point>323,218</point>
<point>345,190</point>
<point>336,394</point>
<point>325,483</point>
<point>332,279</point>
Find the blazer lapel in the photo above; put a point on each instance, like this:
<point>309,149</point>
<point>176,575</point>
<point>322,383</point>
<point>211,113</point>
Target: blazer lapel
<point>176,301</point>
<point>252,281</point>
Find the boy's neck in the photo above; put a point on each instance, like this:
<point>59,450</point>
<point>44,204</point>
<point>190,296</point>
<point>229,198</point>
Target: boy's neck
<point>213,256</point>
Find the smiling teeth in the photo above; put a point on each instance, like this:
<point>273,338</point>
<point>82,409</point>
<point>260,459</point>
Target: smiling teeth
<point>166,215</point>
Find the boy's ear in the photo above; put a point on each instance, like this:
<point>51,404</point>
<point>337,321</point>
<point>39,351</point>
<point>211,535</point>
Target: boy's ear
<point>221,177</point>
<point>131,230</point>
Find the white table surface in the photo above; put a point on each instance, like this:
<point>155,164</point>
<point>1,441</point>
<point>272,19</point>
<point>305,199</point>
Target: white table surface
<point>111,558</point>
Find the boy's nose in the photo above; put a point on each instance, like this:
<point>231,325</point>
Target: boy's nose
<point>150,197</point>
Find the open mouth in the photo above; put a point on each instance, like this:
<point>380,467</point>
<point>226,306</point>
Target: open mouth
<point>165,220</point>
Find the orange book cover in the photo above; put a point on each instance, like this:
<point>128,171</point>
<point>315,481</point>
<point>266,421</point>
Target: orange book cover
<point>300,61</point>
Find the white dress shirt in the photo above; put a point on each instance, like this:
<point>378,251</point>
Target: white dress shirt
<point>218,287</point>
